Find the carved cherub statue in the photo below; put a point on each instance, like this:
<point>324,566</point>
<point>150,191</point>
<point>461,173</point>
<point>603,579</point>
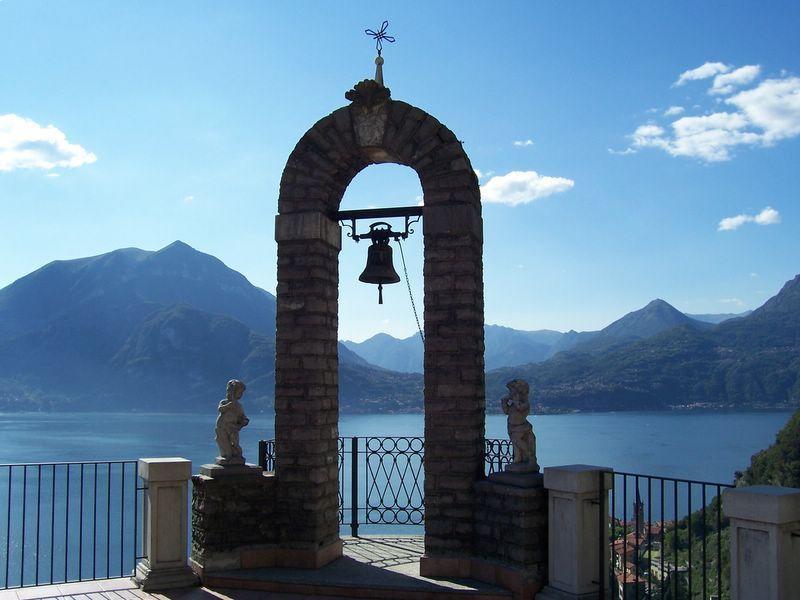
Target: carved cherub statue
<point>520,431</point>
<point>230,421</point>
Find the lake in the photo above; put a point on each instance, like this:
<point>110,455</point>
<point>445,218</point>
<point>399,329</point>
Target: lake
<point>708,446</point>
<point>81,521</point>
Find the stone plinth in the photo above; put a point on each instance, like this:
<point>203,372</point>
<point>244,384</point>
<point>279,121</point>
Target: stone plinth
<point>164,525</point>
<point>510,542</point>
<point>576,494</point>
<point>765,542</point>
<point>237,523</point>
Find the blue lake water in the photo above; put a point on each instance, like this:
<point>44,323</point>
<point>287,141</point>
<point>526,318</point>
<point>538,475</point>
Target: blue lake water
<point>696,445</point>
<point>65,523</point>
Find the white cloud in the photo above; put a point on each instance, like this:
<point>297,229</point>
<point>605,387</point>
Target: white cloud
<point>726,83</point>
<point>754,274</point>
<point>735,301</point>
<point>522,187</point>
<point>24,144</point>
<point>523,143</point>
<point>732,223</point>
<point>759,116</point>
<point>188,199</point>
<point>773,106</point>
<point>768,216</point>
<point>51,175</point>
<point>478,173</point>
<point>704,71</point>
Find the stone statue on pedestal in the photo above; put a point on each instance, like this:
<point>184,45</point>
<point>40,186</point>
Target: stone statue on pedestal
<point>230,421</point>
<point>520,431</point>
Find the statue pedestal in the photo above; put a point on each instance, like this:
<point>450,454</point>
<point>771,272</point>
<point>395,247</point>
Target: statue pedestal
<point>216,471</point>
<point>520,479</point>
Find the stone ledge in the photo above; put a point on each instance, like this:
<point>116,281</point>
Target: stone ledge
<point>577,479</point>
<point>305,226</point>
<point>165,469</point>
<point>762,503</point>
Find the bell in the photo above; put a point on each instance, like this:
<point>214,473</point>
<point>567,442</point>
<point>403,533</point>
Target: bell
<point>379,269</point>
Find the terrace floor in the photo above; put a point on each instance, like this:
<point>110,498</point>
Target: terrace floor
<point>372,567</point>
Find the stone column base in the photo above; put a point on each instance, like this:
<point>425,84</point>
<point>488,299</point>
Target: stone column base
<point>263,556</point>
<point>523,585</point>
<point>149,579</point>
<point>551,593</point>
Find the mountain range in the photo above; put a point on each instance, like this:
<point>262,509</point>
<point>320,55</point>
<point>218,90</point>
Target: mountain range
<point>163,331</point>
<point>506,347</point>
<point>158,331</point>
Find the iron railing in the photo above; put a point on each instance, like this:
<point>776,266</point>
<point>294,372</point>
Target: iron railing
<point>63,522</point>
<point>381,479</point>
<point>666,538</point>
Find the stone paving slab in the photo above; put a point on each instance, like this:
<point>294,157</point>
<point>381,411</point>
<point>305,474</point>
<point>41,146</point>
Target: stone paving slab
<point>373,567</point>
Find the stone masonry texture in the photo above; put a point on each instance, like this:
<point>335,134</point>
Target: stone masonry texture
<point>375,129</point>
<point>511,527</point>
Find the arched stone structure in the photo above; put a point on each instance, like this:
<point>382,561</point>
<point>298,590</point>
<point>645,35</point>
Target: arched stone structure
<point>376,129</point>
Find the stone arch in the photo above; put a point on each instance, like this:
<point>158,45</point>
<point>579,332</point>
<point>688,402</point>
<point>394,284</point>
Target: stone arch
<point>376,129</point>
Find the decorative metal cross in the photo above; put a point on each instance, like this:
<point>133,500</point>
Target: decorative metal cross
<point>380,36</point>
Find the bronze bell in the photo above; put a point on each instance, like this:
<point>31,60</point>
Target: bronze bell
<point>379,269</point>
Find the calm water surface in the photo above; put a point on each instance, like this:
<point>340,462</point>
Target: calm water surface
<point>698,445</point>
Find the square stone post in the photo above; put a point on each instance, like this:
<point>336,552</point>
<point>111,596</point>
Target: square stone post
<point>765,542</point>
<point>575,539</point>
<point>165,524</point>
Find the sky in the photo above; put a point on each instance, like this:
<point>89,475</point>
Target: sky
<point>626,151</point>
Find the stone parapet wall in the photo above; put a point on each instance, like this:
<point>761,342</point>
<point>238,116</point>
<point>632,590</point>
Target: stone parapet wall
<point>511,527</point>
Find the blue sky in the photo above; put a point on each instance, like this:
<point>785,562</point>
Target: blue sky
<point>174,121</point>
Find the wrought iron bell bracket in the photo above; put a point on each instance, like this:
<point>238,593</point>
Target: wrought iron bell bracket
<point>349,218</point>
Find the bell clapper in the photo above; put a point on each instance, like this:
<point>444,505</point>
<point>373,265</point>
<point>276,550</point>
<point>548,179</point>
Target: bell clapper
<point>380,293</point>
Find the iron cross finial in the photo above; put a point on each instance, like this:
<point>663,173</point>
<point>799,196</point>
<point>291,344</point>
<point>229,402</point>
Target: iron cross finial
<point>380,36</point>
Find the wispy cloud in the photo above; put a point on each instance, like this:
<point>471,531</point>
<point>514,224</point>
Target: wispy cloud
<point>188,199</point>
<point>522,187</point>
<point>523,143</point>
<point>756,116</point>
<point>726,83</point>
<point>768,216</point>
<point>704,71</point>
<point>24,144</point>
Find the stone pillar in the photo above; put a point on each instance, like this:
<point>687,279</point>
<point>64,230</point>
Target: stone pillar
<point>306,384</point>
<point>576,494</point>
<point>454,370</point>
<point>765,542</point>
<point>165,524</point>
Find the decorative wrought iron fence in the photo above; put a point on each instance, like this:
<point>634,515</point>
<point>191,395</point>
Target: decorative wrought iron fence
<point>381,479</point>
<point>668,538</point>
<point>62,522</point>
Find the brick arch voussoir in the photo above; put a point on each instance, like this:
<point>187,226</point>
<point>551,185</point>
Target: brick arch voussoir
<point>327,158</point>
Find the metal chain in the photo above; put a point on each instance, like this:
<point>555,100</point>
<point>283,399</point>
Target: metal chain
<point>410,295</point>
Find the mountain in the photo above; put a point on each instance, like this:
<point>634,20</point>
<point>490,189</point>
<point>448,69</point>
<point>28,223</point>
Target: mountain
<point>383,350</point>
<point>752,361</point>
<point>718,318</point>
<point>140,330</point>
<point>504,347</point>
<point>780,463</point>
